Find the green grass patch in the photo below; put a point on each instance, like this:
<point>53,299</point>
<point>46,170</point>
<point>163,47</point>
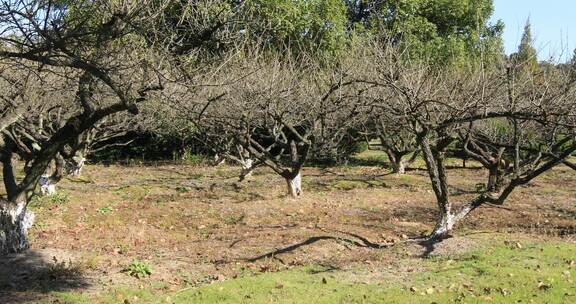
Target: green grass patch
<point>504,273</point>
<point>58,198</point>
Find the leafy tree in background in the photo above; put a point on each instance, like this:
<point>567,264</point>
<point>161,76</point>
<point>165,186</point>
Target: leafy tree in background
<point>316,26</point>
<point>440,31</point>
<point>526,57</point>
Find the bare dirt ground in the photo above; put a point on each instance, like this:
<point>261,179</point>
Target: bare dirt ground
<point>196,224</point>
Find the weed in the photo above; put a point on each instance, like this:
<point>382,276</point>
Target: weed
<point>63,269</point>
<point>234,219</point>
<point>187,156</point>
<point>137,192</point>
<point>121,248</point>
<point>91,261</point>
<point>104,210</point>
<point>220,173</point>
<point>347,185</point>
<point>183,189</point>
<point>138,269</point>
<point>58,198</point>
<point>480,187</point>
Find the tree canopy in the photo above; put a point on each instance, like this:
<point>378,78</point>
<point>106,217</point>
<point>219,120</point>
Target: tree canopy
<point>441,31</point>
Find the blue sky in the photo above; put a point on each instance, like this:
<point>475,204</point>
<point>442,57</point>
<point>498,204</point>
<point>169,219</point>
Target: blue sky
<point>553,25</point>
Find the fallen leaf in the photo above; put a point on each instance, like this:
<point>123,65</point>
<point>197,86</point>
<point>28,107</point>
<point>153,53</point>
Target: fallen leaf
<point>543,286</point>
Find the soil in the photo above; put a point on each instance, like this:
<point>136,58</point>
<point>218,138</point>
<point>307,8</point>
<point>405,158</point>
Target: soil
<point>197,224</point>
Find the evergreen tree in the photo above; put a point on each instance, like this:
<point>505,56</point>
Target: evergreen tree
<point>526,57</point>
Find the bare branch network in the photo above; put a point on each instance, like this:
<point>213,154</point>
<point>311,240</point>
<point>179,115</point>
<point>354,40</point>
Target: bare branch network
<point>80,78</point>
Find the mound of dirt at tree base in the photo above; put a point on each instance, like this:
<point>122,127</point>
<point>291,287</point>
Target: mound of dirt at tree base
<point>447,248</point>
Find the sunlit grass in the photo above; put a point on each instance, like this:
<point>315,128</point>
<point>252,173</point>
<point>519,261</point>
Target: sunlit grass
<point>504,273</point>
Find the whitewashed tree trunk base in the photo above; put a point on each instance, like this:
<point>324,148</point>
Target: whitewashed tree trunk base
<point>47,187</point>
<point>247,169</point>
<point>445,224</point>
<point>77,168</point>
<point>218,160</point>
<point>443,228</point>
<point>295,186</point>
<point>15,221</point>
<point>401,168</point>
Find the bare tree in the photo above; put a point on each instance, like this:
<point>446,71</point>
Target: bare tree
<point>262,110</point>
<point>83,44</point>
<point>395,137</point>
<point>441,105</point>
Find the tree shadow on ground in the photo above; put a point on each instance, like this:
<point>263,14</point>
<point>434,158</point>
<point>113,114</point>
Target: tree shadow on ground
<point>346,182</point>
<point>27,277</point>
<point>447,247</point>
<point>352,239</point>
<point>460,191</point>
<point>429,245</point>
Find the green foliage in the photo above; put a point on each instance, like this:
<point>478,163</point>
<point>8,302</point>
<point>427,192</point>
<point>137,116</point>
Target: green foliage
<point>138,269</point>
<point>183,189</point>
<point>444,32</point>
<point>193,29</point>
<point>234,219</point>
<point>526,57</point>
<point>104,210</point>
<point>360,146</point>
<point>188,156</point>
<point>315,26</point>
<point>58,198</point>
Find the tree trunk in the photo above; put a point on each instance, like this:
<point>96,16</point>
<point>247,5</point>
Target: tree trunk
<point>218,160</point>
<point>434,159</point>
<point>48,182</point>
<point>78,164</point>
<point>247,168</point>
<point>47,185</point>
<point>399,161</point>
<point>447,219</point>
<point>400,167</point>
<point>8,177</point>
<point>444,225</point>
<point>495,179</point>
<point>492,178</point>
<point>295,185</point>
<point>394,161</point>
<point>15,221</point>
